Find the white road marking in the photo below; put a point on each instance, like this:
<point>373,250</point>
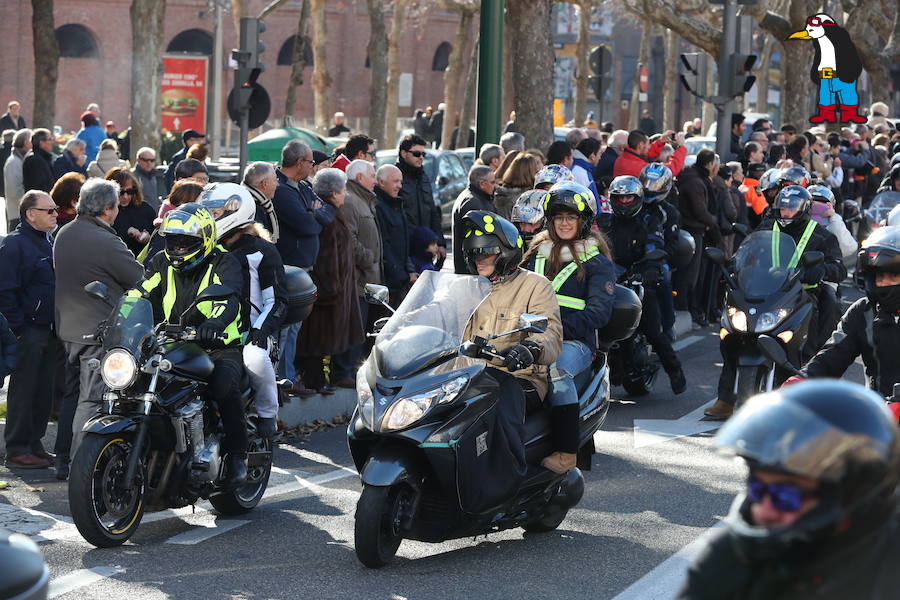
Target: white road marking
<point>667,577</point>
<point>648,432</point>
<point>80,578</point>
<point>205,532</point>
<point>681,344</point>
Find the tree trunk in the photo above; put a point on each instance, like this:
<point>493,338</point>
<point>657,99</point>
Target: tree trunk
<point>321,81</point>
<point>582,69</point>
<point>453,76</point>
<point>393,69</point>
<point>378,45</point>
<point>762,77</point>
<point>147,27</point>
<point>670,121</point>
<point>298,63</point>
<point>471,91</point>
<point>532,70</point>
<point>46,64</point>
<point>634,110</point>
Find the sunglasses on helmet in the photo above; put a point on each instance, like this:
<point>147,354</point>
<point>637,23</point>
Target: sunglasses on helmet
<point>786,497</point>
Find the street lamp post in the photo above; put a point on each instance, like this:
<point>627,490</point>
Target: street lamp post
<point>490,73</point>
<point>726,96</point>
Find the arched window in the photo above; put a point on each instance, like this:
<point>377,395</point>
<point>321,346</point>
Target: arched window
<point>286,54</point>
<point>192,41</point>
<point>75,41</point>
<point>441,57</point>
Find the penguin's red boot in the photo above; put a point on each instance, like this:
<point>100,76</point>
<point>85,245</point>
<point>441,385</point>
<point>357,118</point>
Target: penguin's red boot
<point>826,114</point>
<point>849,114</point>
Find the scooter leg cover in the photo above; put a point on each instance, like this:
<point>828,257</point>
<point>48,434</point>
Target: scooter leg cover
<point>564,428</point>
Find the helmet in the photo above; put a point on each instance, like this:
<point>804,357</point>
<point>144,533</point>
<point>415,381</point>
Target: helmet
<point>190,235</point>
<point>835,432</point>
<point>553,174</point>
<point>656,178</point>
<point>769,179</point>
<point>230,205</point>
<point>792,197</point>
<point>821,193</point>
<point>881,250</point>
<point>487,233</point>
<point>795,175</point>
<point>571,197</point>
<point>684,250</point>
<point>626,196</point>
<point>529,208</point>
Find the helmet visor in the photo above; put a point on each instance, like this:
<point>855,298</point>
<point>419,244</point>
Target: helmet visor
<point>788,437</point>
<point>625,204</point>
<point>180,245</point>
<point>221,207</point>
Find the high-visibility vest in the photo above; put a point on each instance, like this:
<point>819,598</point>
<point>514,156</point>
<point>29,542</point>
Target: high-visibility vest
<point>567,301</point>
<point>798,251</point>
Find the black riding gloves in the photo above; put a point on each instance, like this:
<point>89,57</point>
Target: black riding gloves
<point>258,338</point>
<point>210,330</point>
<point>813,275</point>
<point>518,357</point>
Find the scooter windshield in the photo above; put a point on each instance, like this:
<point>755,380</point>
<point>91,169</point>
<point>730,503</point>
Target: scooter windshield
<point>881,206</point>
<point>430,321</point>
<point>761,263</point>
<point>131,322</point>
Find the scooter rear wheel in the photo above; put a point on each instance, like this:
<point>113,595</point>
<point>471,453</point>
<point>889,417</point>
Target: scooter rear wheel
<point>379,516</point>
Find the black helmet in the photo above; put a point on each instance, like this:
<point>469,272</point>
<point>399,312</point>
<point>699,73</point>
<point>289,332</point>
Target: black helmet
<point>684,250</point>
<point>488,233</point>
<point>626,196</point>
<point>656,179</point>
<point>881,250</point>
<point>795,175</point>
<point>769,179</point>
<point>835,432</point>
<point>568,196</point>
<point>793,197</point>
<point>821,193</point>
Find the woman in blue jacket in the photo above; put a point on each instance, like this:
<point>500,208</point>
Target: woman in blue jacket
<point>579,264</point>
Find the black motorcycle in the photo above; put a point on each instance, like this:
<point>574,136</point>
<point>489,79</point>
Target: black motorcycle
<point>157,442</point>
<point>764,299</point>
<point>432,463</point>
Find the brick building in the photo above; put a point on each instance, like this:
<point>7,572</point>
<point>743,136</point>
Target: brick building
<point>95,41</point>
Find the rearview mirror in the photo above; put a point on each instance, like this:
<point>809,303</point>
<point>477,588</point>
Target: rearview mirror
<point>715,255</point>
<point>376,294</point>
<point>533,323</point>
<point>99,290</point>
<point>812,258</point>
<point>773,350</point>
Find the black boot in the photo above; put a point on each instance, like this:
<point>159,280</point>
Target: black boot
<point>266,427</point>
<point>677,381</point>
<point>235,470</point>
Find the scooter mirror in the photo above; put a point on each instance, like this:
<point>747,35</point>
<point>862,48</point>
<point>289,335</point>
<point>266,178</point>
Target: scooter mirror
<point>772,350</point>
<point>715,255</point>
<point>533,323</point>
<point>99,290</point>
<point>470,349</point>
<point>811,259</point>
<point>376,294</point>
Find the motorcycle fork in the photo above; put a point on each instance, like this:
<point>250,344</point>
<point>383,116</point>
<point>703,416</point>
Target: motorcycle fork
<point>138,448</point>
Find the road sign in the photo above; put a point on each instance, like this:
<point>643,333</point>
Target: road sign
<point>644,81</point>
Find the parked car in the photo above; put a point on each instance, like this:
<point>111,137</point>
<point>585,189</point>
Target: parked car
<point>467,155</point>
<point>445,171</point>
<point>695,145</point>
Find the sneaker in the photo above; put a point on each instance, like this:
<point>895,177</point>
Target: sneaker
<point>719,411</point>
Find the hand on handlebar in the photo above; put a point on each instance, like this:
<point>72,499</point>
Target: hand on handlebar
<point>517,358</point>
<point>211,331</point>
<point>813,275</point>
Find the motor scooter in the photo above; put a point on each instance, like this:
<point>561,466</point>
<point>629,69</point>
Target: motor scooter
<point>422,435</point>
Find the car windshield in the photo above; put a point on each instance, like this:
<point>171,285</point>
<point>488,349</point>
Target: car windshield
<point>430,322</point>
<point>131,323</point>
<point>761,263</point>
<point>881,205</point>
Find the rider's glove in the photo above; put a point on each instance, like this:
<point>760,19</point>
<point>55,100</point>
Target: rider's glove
<point>535,349</point>
<point>651,274</point>
<point>518,357</point>
<point>813,275</point>
<point>209,331</point>
<point>258,338</point>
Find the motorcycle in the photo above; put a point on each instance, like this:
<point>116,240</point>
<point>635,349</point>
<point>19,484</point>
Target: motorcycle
<point>156,443</point>
<point>764,300</point>
<point>420,436</point>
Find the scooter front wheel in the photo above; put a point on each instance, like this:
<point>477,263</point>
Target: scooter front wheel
<point>379,516</point>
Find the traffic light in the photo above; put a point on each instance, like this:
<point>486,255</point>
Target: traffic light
<point>249,63</point>
<point>741,79</point>
<point>251,42</point>
<point>693,76</point>
<point>601,62</point>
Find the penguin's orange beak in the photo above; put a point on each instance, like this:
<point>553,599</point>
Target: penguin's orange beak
<point>800,35</point>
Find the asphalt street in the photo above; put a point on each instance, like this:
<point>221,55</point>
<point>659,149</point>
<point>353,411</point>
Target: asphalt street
<point>656,486</point>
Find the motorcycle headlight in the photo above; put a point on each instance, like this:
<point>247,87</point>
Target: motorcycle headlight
<point>406,411</point>
<point>365,399</point>
<point>118,370</point>
<point>738,318</point>
<point>769,320</point>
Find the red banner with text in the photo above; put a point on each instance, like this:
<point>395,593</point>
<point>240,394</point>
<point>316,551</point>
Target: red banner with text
<point>184,93</point>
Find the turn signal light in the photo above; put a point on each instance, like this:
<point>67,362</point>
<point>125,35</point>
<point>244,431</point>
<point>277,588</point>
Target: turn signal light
<point>722,333</point>
<point>785,336</point>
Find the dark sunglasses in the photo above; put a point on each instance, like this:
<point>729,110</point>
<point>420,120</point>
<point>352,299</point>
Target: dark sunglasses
<point>785,497</point>
<point>128,192</point>
<point>142,159</point>
<point>417,153</point>
<point>49,211</point>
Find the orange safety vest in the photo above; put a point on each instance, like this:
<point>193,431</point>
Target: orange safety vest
<point>755,201</point>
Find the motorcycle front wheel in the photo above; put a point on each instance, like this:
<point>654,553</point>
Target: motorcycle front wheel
<point>247,496</point>
<point>105,512</point>
<point>379,516</point>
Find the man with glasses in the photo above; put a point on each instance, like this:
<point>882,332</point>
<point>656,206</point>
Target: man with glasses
<point>152,181</point>
<point>418,199</point>
<point>478,196</point>
<point>818,516</point>
<point>27,284</point>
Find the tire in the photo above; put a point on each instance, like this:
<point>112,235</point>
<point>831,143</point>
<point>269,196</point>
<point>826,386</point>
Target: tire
<point>546,522</point>
<point>105,514</point>
<point>641,382</point>
<point>245,498</point>
<point>377,534</point>
<point>749,384</point>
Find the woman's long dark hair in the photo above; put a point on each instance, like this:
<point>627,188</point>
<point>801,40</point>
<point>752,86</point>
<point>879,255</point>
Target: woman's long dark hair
<point>554,262</point>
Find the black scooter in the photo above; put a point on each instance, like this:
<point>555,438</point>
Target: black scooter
<point>765,299</point>
<point>421,432</point>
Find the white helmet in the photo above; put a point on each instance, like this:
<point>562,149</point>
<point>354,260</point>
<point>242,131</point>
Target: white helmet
<point>230,204</point>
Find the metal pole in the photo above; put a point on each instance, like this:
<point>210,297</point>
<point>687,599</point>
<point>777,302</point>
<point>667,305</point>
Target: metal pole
<point>724,110</point>
<point>217,84</point>
<point>490,74</point>
<point>242,141</point>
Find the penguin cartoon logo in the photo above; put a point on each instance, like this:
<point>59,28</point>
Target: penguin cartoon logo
<point>835,69</point>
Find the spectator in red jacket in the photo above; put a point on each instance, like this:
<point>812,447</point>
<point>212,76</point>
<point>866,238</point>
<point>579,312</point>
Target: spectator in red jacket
<point>640,151</point>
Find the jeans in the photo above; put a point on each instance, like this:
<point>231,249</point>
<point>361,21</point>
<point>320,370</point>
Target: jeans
<point>835,91</point>
<point>262,378</point>
<point>30,391</point>
<point>287,352</point>
<point>574,358</point>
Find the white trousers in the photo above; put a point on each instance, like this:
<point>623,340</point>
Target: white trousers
<point>262,377</point>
